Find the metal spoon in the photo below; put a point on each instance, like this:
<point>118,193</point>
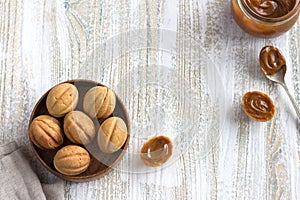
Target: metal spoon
<point>273,66</point>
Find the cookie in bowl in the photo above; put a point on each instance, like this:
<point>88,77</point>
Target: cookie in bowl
<point>99,101</point>
<point>62,99</point>
<point>45,132</point>
<point>71,160</point>
<point>79,128</point>
<point>112,135</point>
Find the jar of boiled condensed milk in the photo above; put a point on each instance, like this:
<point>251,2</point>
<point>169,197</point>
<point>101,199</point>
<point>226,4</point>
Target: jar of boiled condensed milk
<point>265,18</point>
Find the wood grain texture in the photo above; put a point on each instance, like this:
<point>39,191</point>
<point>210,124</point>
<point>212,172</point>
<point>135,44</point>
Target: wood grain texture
<point>44,42</point>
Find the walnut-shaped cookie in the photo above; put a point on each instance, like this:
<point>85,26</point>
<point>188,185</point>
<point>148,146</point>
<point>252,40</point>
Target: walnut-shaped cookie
<point>62,99</point>
<point>72,160</point>
<point>99,101</point>
<point>112,135</point>
<point>45,132</point>
<point>79,128</point>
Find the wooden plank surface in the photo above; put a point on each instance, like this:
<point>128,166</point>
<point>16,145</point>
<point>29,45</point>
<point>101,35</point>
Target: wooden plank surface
<point>44,42</point>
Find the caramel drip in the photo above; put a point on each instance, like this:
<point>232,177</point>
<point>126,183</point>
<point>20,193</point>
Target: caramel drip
<point>259,106</point>
<point>157,151</point>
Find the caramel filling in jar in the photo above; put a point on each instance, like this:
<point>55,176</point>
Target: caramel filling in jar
<point>265,18</point>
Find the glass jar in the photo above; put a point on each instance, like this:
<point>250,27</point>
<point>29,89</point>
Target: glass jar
<point>256,19</point>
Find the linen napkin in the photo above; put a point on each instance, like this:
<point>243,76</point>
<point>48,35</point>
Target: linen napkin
<point>19,181</point>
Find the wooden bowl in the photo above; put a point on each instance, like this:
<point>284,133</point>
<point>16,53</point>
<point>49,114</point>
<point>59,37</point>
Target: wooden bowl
<point>101,163</point>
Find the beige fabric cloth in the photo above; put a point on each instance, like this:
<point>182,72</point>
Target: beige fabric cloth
<point>19,181</point>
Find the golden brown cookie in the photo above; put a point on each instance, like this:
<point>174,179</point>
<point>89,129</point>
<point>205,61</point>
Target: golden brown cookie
<point>99,101</point>
<point>45,132</point>
<point>78,127</point>
<point>62,99</point>
<point>112,135</point>
<point>71,160</point>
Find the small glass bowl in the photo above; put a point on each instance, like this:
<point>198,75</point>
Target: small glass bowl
<point>169,86</point>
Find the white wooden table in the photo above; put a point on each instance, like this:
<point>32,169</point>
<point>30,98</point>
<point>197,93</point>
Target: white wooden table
<point>44,42</point>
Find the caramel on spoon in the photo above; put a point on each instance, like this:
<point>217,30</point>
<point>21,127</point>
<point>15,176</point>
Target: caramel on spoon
<point>273,66</point>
